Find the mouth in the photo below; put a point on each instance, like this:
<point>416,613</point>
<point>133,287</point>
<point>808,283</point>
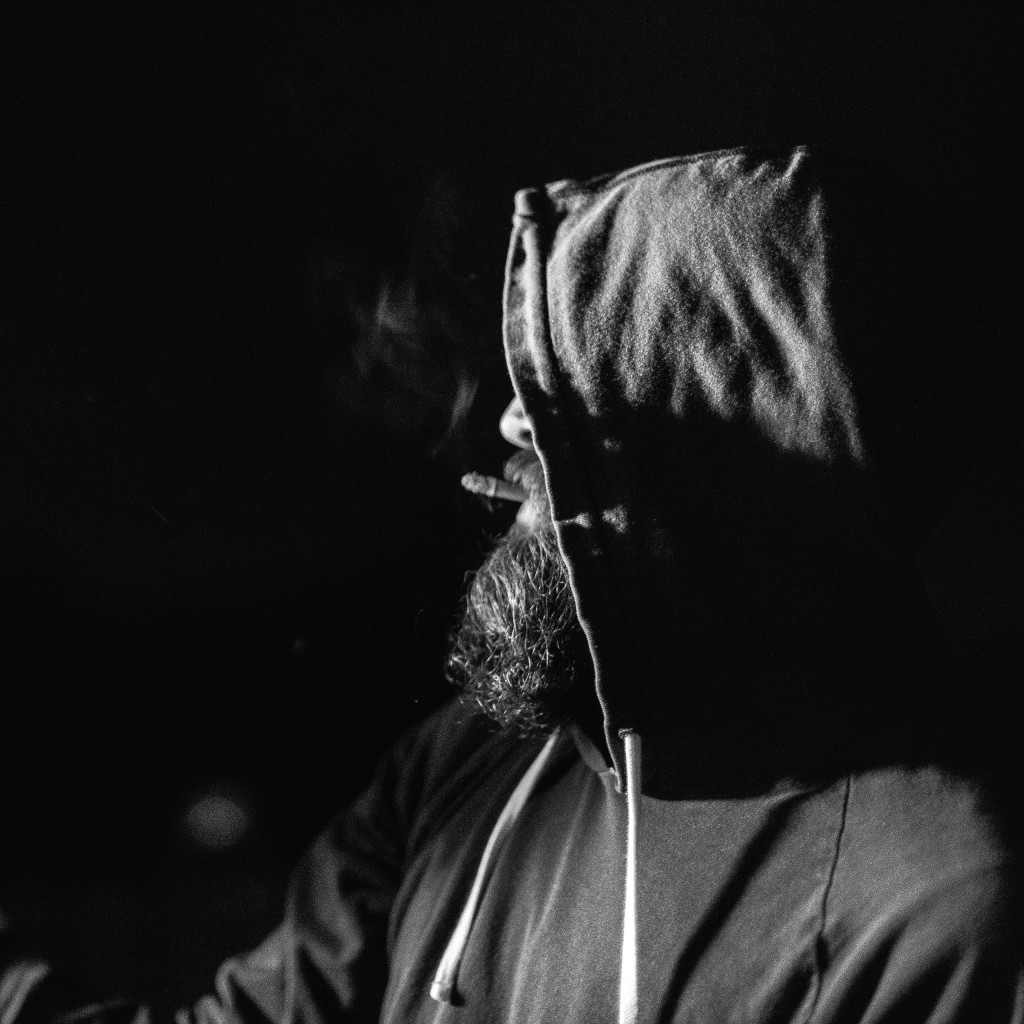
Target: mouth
<point>525,471</point>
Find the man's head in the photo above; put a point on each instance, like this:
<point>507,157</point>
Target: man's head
<point>519,653</point>
<point>727,361</point>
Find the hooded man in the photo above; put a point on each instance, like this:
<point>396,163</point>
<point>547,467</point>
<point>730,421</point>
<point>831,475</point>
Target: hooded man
<point>717,790</point>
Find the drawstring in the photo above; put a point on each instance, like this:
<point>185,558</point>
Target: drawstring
<point>628,979</point>
<point>442,989</point>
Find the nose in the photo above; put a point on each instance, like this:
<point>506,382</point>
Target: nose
<point>515,427</point>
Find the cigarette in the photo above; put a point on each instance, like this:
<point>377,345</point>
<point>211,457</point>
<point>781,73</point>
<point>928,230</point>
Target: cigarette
<point>493,487</point>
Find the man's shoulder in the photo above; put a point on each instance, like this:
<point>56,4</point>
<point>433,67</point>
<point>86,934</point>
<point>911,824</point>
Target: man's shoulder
<point>453,751</point>
<point>932,812</point>
<point>917,839</point>
<point>924,906</point>
<point>452,736</point>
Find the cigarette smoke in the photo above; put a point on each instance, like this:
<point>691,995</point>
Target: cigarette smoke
<point>411,346</point>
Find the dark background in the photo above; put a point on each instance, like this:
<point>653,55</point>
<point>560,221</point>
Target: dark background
<point>251,279</point>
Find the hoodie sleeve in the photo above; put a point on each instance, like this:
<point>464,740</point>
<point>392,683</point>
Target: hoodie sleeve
<point>327,961</point>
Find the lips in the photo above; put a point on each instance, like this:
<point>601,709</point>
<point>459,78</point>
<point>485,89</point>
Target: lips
<point>524,469</point>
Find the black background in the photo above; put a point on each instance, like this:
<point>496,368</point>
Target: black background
<point>233,536</point>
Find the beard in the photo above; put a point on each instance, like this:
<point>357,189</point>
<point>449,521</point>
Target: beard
<point>519,654</point>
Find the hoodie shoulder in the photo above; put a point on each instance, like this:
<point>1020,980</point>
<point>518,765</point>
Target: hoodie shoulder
<point>441,761</point>
<point>906,823</point>
<point>925,911</point>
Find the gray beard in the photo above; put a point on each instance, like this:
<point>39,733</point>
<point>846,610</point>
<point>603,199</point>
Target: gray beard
<point>519,654</point>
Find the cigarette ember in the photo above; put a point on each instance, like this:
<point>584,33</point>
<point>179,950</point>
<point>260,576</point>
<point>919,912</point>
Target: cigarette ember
<point>493,487</point>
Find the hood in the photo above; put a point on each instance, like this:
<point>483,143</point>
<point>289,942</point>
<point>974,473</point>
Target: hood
<point>731,367</point>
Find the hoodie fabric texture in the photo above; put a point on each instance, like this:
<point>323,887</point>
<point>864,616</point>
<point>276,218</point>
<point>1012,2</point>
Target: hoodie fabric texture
<point>730,365</point>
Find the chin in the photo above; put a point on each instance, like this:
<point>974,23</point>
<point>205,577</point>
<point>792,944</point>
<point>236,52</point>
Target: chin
<point>518,653</point>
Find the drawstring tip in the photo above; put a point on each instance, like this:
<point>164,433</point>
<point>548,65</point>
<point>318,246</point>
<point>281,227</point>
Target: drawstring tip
<point>442,992</point>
